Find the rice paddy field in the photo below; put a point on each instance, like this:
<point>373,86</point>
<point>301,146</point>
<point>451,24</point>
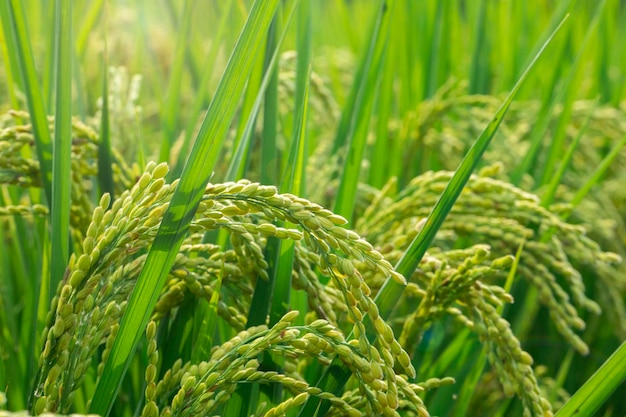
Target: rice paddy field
<point>313,208</point>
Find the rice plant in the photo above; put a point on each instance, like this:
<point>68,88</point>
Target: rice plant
<point>312,208</point>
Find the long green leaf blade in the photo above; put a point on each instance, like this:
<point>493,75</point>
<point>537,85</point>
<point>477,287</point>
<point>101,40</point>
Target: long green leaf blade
<point>202,93</point>
<point>105,160</point>
<point>89,21</point>
<point>357,132</point>
<point>548,196</point>
<point>346,123</point>
<point>207,324</point>
<point>183,205</point>
<point>13,20</point>
<point>586,401</point>
<point>599,172</point>
<point>61,167</point>
<point>171,106</point>
<point>557,142</point>
<point>7,42</point>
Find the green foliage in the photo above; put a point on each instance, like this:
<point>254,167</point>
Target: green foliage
<point>215,282</point>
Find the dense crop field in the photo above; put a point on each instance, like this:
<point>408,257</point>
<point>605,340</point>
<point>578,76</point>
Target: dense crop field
<point>313,208</point>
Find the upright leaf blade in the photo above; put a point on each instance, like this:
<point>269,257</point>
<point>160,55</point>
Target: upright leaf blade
<point>62,161</point>
<point>171,106</point>
<point>202,93</point>
<point>347,115</point>
<point>600,170</point>
<point>105,160</point>
<point>557,142</point>
<point>356,115</point>
<point>14,21</point>
<point>586,401</point>
<point>90,19</point>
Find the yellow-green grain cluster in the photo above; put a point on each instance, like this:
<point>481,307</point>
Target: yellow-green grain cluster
<point>19,165</point>
<point>504,217</point>
<point>86,310</point>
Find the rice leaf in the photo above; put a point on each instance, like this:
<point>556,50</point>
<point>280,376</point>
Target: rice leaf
<point>599,172</point>
<point>202,93</point>
<point>379,158</point>
<point>90,18</point>
<point>557,142</point>
<point>206,327</point>
<point>247,117</point>
<point>479,65</point>
<point>14,26</point>
<point>586,401</point>
<point>171,106</point>
<point>105,160</point>
<point>358,120</point>
<point>12,368</point>
<point>431,80</point>
<point>559,87</point>
<point>269,154</point>
<point>548,196</point>
<point>346,123</point>
<point>48,78</point>
<point>10,67</point>
<point>62,154</point>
